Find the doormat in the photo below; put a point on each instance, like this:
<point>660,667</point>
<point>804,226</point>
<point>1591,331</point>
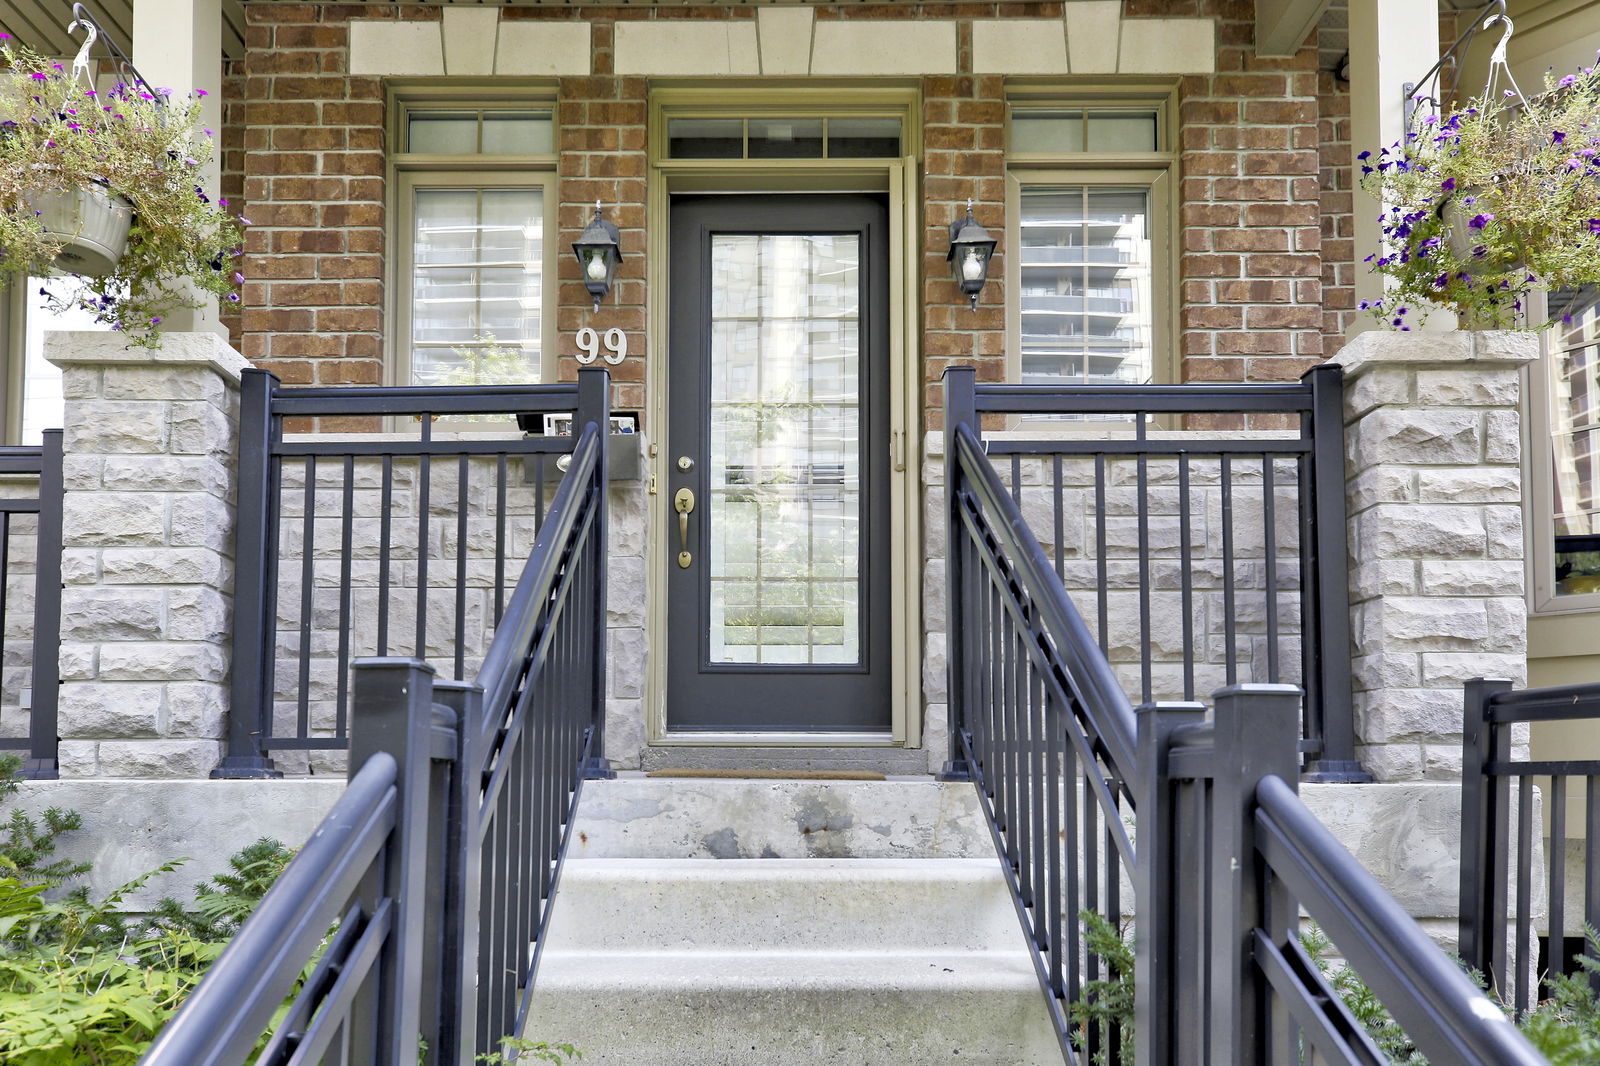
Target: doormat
<point>771,775</point>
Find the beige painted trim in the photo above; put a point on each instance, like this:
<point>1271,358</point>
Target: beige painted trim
<point>14,336</point>
<point>1538,499</point>
<point>468,43</point>
<point>899,179</point>
<point>1156,170</point>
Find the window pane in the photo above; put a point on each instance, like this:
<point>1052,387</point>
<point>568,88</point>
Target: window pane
<point>476,286</point>
<point>705,138</point>
<point>1122,131</point>
<point>1047,131</point>
<point>443,133</point>
<point>1085,298</point>
<point>42,406</point>
<point>786,138</point>
<point>863,138</point>
<point>512,133</point>
<point>1575,429</point>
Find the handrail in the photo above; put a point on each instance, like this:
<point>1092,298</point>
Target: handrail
<point>1542,704</point>
<point>502,663</point>
<point>1087,673</point>
<point>1448,1017</point>
<point>1198,398</point>
<point>226,1014</point>
<point>422,399</point>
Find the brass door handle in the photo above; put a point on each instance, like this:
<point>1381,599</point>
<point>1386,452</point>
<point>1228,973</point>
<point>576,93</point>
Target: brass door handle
<point>683,503</point>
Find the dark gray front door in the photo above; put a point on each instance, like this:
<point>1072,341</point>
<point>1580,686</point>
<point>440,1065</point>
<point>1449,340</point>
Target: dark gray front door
<point>778,586</point>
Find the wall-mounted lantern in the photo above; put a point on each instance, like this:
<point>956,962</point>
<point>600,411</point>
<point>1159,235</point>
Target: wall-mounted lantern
<point>599,251</point>
<point>970,250</point>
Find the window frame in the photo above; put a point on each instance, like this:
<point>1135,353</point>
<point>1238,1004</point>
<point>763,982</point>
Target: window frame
<point>409,171</point>
<point>1156,171</point>
<point>1538,448</point>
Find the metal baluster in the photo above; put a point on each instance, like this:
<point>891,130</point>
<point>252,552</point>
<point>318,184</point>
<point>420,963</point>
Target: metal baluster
<point>1228,617</point>
<point>1070,770</point>
<point>1270,540</point>
<point>1054,784</point>
<point>1186,575</point>
<point>1142,468</point>
<point>1038,780</point>
<point>463,475</point>
<point>1557,872</point>
<point>1100,549</point>
<point>1091,889</point>
<point>385,544</point>
<point>1524,931</point>
<point>307,592</point>
<point>1058,516</point>
<point>501,477</point>
<point>1591,868</point>
<point>346,531</point>
<point>424,505</point>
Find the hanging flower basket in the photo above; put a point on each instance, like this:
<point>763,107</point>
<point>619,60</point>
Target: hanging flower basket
<point>105,185</point>
<point>1485,204</point>
<point>91,224</point>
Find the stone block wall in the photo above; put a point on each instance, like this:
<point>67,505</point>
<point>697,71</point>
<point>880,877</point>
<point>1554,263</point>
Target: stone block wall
<point>146,558</point>
<point>1435,509</point>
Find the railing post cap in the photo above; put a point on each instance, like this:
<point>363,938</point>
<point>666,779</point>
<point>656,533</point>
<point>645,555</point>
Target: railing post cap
<point>393,661</point>
<point>457,685</point>
<point>959,368</point>
<point>1258,689</point>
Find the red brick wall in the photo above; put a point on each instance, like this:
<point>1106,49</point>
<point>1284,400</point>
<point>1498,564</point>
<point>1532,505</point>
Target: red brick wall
<point>1335,181</point>
<point>314,189</point>
<point>963,155</point>
<point>305,142</point>
<point>1251,236</point>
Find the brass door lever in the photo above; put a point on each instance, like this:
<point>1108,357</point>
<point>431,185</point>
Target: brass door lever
<point>683,503</point>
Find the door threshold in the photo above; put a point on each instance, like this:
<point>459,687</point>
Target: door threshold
<point>890,761</point>
<point>775,739</point>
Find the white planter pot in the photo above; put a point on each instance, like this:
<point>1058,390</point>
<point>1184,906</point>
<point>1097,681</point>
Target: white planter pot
<point>94,223</point>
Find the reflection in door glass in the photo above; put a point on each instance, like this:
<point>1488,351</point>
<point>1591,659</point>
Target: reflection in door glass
<point>785,469</point>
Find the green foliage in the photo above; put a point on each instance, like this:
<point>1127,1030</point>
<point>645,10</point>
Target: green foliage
<point>1489,202</point>
<point>1364,1005</point>
<point>516,1049</point>
<point>28,845</point>
<point>1109,1000</point>
<point>81,984</point>
<point>1566,1027</point>
<point>223,903</point>
<point>62,136</point>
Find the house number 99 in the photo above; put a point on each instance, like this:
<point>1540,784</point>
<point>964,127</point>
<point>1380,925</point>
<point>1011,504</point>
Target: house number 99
<point>616,344</point>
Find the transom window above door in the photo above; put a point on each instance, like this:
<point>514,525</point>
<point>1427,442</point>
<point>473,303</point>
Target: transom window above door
<point>785,137</point>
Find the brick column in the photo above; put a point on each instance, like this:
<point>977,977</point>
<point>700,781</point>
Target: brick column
<point>146,555</point>
<point>1435,501</point>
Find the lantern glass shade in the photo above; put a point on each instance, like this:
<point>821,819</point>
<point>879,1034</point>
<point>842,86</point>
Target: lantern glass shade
<point>599,251</point>
<point>971,248</point>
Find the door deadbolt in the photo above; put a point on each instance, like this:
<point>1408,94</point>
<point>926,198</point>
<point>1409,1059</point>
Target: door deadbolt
<point>685,464</point>
<point>683,503</point>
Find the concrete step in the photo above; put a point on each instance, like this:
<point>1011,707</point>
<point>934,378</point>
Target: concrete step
<point>640,817</point>
<point>783,905</point>
<point>781,1008</point>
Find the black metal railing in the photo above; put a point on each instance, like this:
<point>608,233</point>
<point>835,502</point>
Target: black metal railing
<point>30,602</point>
<point>1226,855</point>
<point>1230,859</point>
<point>1207,551</point>
<point>358,542</point>
<point>1518,921</point>
<point>420,903</point>
<point>1043,729</point>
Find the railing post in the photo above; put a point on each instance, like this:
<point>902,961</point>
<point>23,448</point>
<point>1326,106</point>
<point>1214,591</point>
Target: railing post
<point>392,710</point>
<point>1485,821</point>
<point>1155,889</point>
<point>1332,700</point>
<point>250,691</point>
<point>453,886</point>
<point>960,408</point>
<point>594,405</point>
<point>1257,731</point>
<point>43,726</point>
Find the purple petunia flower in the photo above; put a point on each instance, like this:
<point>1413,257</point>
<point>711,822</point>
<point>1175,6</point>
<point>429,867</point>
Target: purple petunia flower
<point>1566,81</point>
<point>1594,225</point>
<point>1448,185</point>
<point>1557,137</point>
<point>1480,221</point>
